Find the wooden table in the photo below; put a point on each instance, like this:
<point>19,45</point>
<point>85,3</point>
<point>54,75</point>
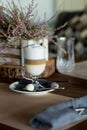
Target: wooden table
<point>74,87</point>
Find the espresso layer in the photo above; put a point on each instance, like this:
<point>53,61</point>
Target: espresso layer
<point>35,62</point>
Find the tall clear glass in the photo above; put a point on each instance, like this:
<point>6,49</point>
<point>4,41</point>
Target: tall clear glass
<point>33,63</point>
<point>65,61</point>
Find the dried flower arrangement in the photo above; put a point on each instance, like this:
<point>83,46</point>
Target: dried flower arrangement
<point>19,23</point>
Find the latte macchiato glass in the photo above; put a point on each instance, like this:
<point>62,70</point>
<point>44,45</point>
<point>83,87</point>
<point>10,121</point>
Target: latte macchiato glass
<point>34,62</point>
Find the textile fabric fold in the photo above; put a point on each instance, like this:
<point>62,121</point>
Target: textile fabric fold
<point>59,115</point>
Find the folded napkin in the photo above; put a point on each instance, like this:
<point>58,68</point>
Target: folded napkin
<point>60,115</point>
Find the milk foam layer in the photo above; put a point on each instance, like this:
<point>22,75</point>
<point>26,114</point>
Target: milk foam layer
<point>34,52</point>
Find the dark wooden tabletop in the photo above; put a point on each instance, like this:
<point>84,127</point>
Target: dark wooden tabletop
<point>74,87</point>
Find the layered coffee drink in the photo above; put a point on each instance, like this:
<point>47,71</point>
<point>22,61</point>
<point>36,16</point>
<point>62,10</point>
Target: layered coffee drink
<point>35,61</point>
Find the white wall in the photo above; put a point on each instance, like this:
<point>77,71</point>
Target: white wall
<point>44,6</point>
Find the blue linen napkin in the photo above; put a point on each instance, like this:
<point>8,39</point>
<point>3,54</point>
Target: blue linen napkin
<point>59,115</point>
